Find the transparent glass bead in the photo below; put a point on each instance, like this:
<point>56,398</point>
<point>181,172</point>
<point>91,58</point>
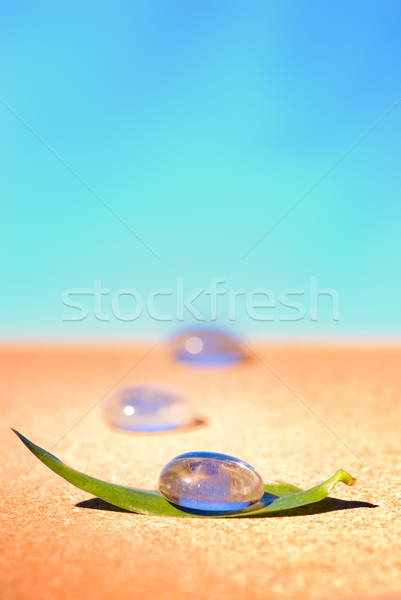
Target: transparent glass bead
<point>148,408</point>
<point>210,482</point>
<point>207,347</point>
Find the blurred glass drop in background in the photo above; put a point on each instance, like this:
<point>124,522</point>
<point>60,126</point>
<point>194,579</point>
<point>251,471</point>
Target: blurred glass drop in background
<point>148,408</point>
<point>207,348</point>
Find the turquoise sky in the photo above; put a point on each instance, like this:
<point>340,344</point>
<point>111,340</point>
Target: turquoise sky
<point>197,126</point>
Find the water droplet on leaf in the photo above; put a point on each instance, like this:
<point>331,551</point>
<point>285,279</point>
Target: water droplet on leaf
<point>209,481</point>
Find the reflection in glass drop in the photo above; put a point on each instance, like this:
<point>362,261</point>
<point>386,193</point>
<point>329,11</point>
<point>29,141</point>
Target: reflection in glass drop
<point>207,347</point>
<point>148,408</point>
<point>210,482</point>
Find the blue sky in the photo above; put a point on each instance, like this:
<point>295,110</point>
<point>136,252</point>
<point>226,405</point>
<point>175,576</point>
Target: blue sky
<point>198,125</point>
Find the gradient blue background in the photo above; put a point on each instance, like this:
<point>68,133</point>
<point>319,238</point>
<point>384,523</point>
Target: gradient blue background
<point>200,124</point>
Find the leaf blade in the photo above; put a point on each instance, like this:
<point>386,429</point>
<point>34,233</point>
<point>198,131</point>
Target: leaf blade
<point>278,495</point>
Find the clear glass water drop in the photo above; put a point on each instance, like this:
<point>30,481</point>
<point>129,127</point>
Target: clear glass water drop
<point>209,481</point>
<point>148,408</point>
<point>207,347</point>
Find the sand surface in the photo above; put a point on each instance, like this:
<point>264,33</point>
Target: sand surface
<point>296,413</point>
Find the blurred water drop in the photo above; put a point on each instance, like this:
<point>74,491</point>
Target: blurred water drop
<point>207,347</point>
<point>148,408</point>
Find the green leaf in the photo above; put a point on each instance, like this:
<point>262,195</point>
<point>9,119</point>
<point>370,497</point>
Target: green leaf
<point>278,495</point>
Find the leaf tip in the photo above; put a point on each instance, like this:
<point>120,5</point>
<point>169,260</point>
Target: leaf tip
<point>23,439</point>
<point>347,478</point>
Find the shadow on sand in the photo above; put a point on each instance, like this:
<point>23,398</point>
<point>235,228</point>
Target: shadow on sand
<point>324,506</point>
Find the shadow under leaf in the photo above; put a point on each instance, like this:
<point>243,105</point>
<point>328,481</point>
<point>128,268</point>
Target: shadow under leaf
<point>98,504</point>
<point>324,506</point>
